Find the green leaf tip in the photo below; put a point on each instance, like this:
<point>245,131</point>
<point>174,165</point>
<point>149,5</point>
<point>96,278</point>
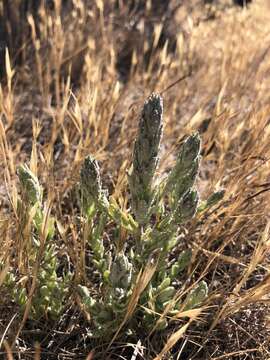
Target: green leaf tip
<point>215,198</point>
<point>187,207</point>
<point>152,112</point>
<point>145,156</point>
<point>189,204</point>
<point>190,150</point>
<point>185,171</point>
<point>90,178</point>
<point>30,184</point>
<point>196,296</point>
<point>121,271</point>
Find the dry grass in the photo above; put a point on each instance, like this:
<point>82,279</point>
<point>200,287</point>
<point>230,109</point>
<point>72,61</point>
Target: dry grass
<point>73,85</point>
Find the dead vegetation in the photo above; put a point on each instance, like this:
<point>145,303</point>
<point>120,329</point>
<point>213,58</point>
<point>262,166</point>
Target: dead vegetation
<point>73,83</point>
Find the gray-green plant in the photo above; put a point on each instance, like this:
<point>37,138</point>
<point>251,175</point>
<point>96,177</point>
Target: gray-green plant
<point>51,290</point>
<point>157,212</point>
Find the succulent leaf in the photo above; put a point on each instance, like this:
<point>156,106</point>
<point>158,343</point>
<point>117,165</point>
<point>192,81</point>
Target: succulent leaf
<point>121,271</point>
<point>196,296</point>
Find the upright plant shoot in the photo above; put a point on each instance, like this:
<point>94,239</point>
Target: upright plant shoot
<point>145,157</point>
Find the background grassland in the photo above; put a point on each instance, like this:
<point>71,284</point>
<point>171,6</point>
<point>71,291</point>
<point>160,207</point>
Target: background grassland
<point>73,81</point>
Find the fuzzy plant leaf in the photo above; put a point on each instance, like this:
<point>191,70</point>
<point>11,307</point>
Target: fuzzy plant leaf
<point>145,157</point>
<point>31,202</point>
<point>186,182</point>
<point>120,217</point>
<point>189,151</point>
<point>86,297</point>
<point>91,184</point>
<point>187,207</point>
<point>94,197</point>
<point>166,295</point>
<point>182,262</point>
<point>121,271</point>
<point>183,175</point>
<point>196,296</point>
<point>31,188</point>
<point>213,199</point>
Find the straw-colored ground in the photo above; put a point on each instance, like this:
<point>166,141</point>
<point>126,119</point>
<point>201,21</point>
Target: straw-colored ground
<point>72,83</point>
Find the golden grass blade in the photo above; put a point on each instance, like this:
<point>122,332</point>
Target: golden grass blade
<point>173,339</point>
<point>8,351</point>
<point>3,273</point>
<point>34,156</point>
<point>192,314</point>
<point>9,70</point>
<point>261,248</point>
<point>235,353</point>
<point>2,340</point>
<point>254,294</point>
